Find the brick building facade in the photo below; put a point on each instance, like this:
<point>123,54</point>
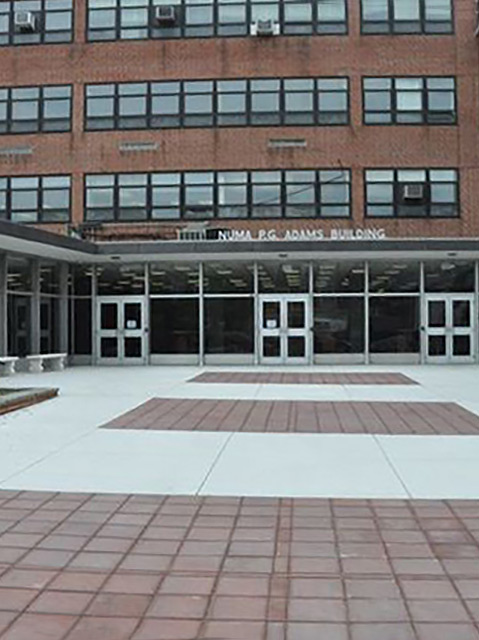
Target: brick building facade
<point>375,105</point>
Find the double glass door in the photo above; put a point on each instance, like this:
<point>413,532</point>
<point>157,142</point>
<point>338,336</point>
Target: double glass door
<point>285,336</point>
<point>449,328</point>
<point>121,330</point>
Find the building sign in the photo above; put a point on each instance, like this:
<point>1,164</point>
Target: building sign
<point>273,235</point>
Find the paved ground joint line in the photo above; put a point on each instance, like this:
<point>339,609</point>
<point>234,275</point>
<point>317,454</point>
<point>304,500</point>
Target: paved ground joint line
<point>4,481</point>
<point>392,467</point>
<point>214,463</point>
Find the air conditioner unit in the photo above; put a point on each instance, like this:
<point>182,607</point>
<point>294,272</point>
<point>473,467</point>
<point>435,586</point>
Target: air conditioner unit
<point>24,21</point>
<point>165,15</point>
<point>413,191</point>
<point>264,28</point>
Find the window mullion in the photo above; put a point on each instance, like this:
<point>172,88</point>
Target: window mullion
<point>149,103</point>
<point>425,102</point>
<point>9,111</point>
<point>40,188</point>
<point>422,15</point>
<point>395,193</point>
<point>118,19</point>
<point>116,197</point>
<point>318,194</point>
<point>9,199</point>
<point>41,110</point>
<point>393,92</point>
<point>214,103</point>
<point>182,194</point>
<point>181,103</point>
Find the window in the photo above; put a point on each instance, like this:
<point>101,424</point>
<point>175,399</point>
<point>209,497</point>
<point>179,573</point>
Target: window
<point>393,324</point>
<point>174,325</point>
<point>409,100</point>
<point>138,19</point>
<point>406,16</point>
<point>223,194</point>
<point>206,103</point>
<point>229,325</point>
<point>35,199</point>
<point>32,109</point>
<point>412,193</point>
<point>47,21</point>
<point>338,324</point>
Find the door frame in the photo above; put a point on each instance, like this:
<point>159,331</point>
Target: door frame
<point>283,331</point>
<point>449,331</point>
<point>120,333</point>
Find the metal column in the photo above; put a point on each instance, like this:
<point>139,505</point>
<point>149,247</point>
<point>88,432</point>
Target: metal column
<point>63,310</point>
<point>3,306</point>
<point>35,310</point>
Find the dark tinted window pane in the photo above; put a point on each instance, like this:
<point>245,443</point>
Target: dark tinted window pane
<point>394,277</point>
<point>339,277</point>
<point>82,327</point>
<point>229,325</point>
<point>19,325</point>
<point>50,278</point>
<point>338,325</point>
<point>287,277</point>
<point>228,277</point>
<point>174,326</point>
<point>19,276</point>
<point>81,279</point>
<point>394,325</point>
<point>49,325</point>
<point>122,280</point>
<point>449,276</point>
<point>170,278</point>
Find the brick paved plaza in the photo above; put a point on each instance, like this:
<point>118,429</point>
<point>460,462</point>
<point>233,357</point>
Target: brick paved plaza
<point>333,505</point>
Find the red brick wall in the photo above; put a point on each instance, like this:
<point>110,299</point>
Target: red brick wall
<point>354,146</point>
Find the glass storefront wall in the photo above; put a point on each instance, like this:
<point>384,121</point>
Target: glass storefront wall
<point>360,311</point>
<point>209,312</point>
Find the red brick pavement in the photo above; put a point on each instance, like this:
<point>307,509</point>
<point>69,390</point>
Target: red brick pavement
<point>121,567</point>
<point>280,416</point>
<point>303,378</point>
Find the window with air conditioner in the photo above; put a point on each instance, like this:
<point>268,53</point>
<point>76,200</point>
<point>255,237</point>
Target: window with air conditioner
<point>412,193</point>
<point>36,22</point>
<point>144,19</point>
<point>165,15</point>
<point>25,21</point>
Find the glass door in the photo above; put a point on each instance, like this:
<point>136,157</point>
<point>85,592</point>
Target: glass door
<point>284,330</point>
<point>449,328</point>
<point>121,331</point>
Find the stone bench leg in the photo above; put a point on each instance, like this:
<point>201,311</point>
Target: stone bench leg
<point>57,365</point>
<point>8,367</point>
<point>35,366</point>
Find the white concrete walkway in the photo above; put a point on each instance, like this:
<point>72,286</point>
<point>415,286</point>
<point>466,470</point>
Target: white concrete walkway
<point>58,446</point>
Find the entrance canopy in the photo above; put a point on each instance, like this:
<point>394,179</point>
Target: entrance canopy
<point>33,242</point>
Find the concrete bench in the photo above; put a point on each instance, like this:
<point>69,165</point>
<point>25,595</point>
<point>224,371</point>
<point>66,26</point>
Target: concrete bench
<point>37,363</point>
<point>8,364</point>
